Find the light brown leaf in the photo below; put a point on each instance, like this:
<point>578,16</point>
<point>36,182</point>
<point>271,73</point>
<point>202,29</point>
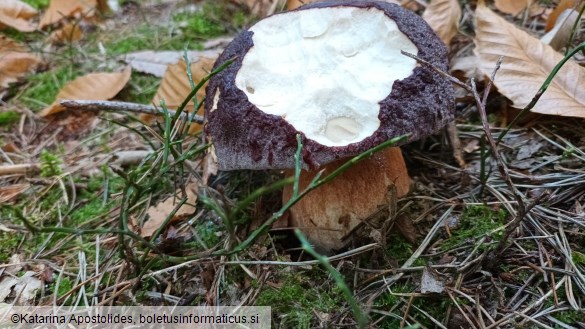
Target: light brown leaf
<point>443,16</point>
<point>158,214</point>
<point>15,62</point>
<point>411,5</point>
<point>293,4</point>
<point>67,34</point>
<point>94,86</point>
<point>466,66</point>
<point>17,14</point>
<point>7,193</point>
<point>175,86</point>
<point>527,62</point>
<point>156,62</point>
<point>562,6</point>
<point>513,7</point>
<point>559,36</point>
<point>59,9</point>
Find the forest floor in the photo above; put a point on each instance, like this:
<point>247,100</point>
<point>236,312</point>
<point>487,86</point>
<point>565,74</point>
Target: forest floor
<point>116,208</point>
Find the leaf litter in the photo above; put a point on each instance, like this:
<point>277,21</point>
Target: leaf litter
<point>538,278</point>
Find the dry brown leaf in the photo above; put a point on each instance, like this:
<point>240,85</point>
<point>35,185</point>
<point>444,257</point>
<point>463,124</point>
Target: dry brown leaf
<point>67,34</point>
<point>59,9</point>
<point>513,7</point>
<point>562,6</point>
<point>175,86</point>
<point>156,62</point>
<point>15,62</point>
<point>16,14</point>
<point>293,4</point>
<point>443,16</point>
<point>158,214</point>
<point>411,5</point>
<point>94,86</point>
<point>559,36</point>
<point>7,193</point>
<point>527,62</point>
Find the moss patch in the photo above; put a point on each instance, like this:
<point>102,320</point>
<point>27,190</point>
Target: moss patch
<point>474,223</point>
<point>44,87</point>
<point>38,4</point>
<point>8,118</point>
<point>297,300</point>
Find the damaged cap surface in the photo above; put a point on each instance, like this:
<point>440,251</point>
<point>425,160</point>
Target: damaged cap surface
<point>335,64</point>
<point>333,72</point>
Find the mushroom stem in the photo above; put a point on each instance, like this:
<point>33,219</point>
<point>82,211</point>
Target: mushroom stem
<point>331,212</point>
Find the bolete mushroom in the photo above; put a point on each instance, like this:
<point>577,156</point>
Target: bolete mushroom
<point>332,72</point>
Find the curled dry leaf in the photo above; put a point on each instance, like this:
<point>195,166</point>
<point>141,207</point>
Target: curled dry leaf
<point>17,14</point>
<point>175,86</point>
<point>67,34</point>
<point>15,62</point>
<point>443,16</point>
<point>561,7</point>
<point>413,5</point>
<point>94,86</point>
<point>59,9</point>
<point>513,7</point>
<point>158,214</point>
<point>559,36</point>
<point>527,63</point>
<point>293,4</point>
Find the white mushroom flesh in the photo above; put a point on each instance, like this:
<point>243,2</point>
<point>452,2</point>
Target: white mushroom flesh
<point>324,70</point>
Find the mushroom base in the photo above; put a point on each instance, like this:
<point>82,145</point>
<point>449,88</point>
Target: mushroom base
<point>329,214</point>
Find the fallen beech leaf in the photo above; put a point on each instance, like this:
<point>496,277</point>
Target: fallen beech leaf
<point>293,4</point>
<point>67,34</point>
<point>94,86</point>
<point>59,9</point>
<point>443,16</point>
<point>430,282</point>
<point>26,288</point>
<point>410,5</point>
<point>513,7</point>
<point>467,65</point>
<point>156,62</point>
<point>560,34</point>
<point>175,86</point>
<point>158,214</point>
<point>561,7</point>
<point>7,193</point>
<point>15,62</point>
<point>16,14</point>
<point>527,62</point>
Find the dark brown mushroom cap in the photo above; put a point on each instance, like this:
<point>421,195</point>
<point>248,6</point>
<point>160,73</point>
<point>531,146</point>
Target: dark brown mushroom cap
<point>245,137</point>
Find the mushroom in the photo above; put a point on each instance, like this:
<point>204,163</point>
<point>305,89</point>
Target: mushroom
<point>332,72</point>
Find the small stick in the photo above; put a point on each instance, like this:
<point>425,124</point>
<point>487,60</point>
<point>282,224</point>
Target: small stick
<point>18,169</point>
<point>87,105</point>
<point>438,70</point>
